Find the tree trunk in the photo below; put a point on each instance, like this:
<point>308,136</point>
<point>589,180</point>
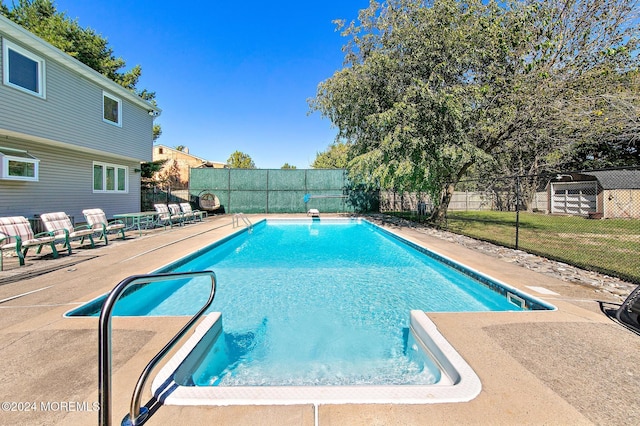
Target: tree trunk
<point>439,213</point>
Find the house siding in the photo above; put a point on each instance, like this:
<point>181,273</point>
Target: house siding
<point>65,184</point>
<point>71,114</point>
<point>65,130</point>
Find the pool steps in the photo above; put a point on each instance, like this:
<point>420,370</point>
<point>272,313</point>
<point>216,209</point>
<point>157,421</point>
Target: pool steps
<point>458,383</point>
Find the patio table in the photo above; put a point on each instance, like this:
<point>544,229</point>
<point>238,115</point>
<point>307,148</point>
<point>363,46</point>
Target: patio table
<point>138,220</point>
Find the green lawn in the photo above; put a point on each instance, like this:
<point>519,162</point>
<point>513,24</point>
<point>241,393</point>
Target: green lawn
<point>611,246</point>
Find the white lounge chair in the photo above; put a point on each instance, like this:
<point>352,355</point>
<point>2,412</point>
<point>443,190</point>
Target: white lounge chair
<point>187,210</point>
<point>313,213</point>
<point>176,213</point>
<point>60,225</point>
<point>97,220</point>
<point>16,234</point>
<point>165,216</point>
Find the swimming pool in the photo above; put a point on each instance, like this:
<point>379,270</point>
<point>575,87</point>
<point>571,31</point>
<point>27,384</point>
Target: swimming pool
<point>319,303</point>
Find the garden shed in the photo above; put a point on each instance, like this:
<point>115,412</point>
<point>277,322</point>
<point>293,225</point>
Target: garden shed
<point>611,193</point>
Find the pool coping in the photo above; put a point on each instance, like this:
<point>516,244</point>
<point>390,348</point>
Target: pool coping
<point>459,382</point>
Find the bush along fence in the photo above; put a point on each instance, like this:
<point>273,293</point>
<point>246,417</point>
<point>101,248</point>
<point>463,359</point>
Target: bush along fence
<point>590,219</point>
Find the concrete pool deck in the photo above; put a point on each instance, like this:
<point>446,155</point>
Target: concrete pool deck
<point>570,366</point>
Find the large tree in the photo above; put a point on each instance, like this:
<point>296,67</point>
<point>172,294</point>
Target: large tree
<point>432,90</point>
<point>335,157</point>
<point>240,160</point>
<point>606,116</point>
<point>42,19</point>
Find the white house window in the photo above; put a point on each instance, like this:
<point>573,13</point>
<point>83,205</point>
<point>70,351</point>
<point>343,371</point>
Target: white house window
<point>111,109</point>
<point>16,164</point>
<point>110,178</point>
<point>22,69</point>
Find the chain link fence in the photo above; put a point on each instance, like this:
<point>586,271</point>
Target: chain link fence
<point>590,219</point>
<point>162,195</point>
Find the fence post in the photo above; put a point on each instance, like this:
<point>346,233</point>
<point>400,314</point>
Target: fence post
<point>517,210</point>
<point>229,191</point>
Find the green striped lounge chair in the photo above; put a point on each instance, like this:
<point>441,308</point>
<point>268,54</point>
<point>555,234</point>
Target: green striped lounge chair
<point>16,234</point>
<point>60,225</point>
<point>97,220</point>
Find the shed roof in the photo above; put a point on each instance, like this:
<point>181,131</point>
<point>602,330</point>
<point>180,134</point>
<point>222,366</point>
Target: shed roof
<point>617,179</point>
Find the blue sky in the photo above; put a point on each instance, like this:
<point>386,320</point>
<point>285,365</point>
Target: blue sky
<point>229,75</point>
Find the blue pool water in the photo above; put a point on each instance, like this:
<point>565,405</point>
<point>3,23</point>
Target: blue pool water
<point>317,303</point>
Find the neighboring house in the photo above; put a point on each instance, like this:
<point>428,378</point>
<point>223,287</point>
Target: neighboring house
<point>605,193</point>
<point>70,138</point>
<point>179,162</point>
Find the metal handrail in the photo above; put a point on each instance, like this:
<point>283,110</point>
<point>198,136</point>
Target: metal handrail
<point>235,221</point>
<point>137,415</point>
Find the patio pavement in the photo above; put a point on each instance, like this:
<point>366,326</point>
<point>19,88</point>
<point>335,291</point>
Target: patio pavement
<point>570,366</point>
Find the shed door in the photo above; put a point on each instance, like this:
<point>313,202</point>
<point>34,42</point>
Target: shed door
<point>576,198</point>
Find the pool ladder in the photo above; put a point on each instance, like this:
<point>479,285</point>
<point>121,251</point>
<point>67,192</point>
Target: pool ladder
<point>137,415</point>
<point>235,221</point>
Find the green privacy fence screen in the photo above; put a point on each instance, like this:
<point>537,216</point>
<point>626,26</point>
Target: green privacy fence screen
<point>273,190</point>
